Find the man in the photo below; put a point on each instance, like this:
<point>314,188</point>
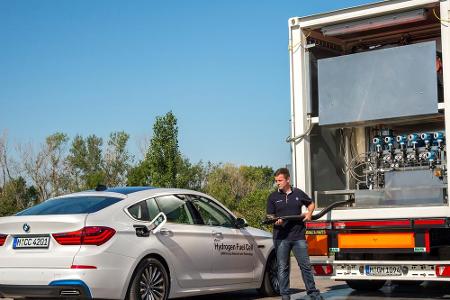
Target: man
<point>290,235</point>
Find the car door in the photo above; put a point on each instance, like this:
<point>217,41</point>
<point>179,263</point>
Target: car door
<point>233,248</point>
<point>188,244</point>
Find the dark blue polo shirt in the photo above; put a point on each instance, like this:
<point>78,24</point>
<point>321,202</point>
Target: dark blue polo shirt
<point>281,204</point>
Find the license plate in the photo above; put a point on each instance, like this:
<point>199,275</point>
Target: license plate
<point>383,270</point>
<point>31,242</point>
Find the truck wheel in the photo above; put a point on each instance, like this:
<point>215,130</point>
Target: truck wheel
<point>150,281</point>
<point>270,285</point>
<point>366,285</point>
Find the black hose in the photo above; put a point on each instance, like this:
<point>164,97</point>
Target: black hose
<point>314,217</point>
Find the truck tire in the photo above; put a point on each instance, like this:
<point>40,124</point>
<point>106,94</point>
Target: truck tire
<point>270,285</point>
<point>365,285</point>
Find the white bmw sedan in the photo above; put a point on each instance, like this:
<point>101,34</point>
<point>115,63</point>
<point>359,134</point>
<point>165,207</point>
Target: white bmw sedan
<point>132,243</point>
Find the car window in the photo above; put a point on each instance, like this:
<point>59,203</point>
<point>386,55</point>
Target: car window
<point>175,209</point>
<point>70,205</point>
<point>211,213</point>
<point>139,211</point>
<point>153,209</point>
<point>144,210</point>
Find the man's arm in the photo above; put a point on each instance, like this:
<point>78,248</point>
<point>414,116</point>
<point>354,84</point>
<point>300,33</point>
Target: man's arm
<point>310,211</point>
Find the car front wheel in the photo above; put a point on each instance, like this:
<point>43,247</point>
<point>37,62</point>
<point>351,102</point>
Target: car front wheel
<point>150,281</point>
<point>270,285</point>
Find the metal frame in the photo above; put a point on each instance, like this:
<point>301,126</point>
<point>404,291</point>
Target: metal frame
<point>301,158</point>
<point>300,150</point>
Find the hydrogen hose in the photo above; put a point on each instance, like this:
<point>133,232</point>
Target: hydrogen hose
<point>317,216</point>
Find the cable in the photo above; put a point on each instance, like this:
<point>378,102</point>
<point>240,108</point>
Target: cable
<point>353,167</point>
<point>300,137</point>
<point>292,47</point>
<point>441,20</point>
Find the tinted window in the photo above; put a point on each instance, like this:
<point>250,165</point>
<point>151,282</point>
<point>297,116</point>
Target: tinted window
<point>153,209</point>
<point>70,205</point>
<point>144,210</point>
<point>211,213</point>
<point>175,209</point>
<point>139,211</point>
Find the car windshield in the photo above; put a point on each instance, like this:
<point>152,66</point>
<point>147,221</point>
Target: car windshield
<point>70,205</point>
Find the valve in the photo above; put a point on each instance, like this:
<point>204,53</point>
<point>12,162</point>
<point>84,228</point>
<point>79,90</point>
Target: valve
<point>439,138</point>
<point>389,141</point>
<point>402,140</point>
<point>415,140</point>
<point>427,138</point>
<point>378,142</point>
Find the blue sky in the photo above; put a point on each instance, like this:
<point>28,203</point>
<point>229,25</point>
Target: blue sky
<point>95,67</point>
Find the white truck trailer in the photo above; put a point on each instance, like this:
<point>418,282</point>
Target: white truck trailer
<point>370,108</point>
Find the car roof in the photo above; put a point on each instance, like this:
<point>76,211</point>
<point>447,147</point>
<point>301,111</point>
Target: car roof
<point>135,192</point>
<point>125,190</point>
<point>120,192</point>
<point>129,191</point>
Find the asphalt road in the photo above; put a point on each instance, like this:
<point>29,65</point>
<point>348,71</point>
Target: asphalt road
<point>340,291</point>
<point>337,290</point>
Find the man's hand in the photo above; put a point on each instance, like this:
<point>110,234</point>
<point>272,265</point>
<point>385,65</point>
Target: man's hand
<point>308,216</point>
<point>279,222</point>
<point>309,213</point>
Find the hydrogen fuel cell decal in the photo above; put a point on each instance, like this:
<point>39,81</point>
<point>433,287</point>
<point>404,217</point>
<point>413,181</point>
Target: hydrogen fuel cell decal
<point>225,248</point>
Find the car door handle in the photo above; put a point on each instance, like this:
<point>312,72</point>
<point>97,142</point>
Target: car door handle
<point>217,234</point>
<point>165,232</point>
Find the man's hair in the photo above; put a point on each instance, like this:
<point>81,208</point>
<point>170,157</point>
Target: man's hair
<point>283,171</point>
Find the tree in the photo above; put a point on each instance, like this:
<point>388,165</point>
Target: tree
<point>95,174</point>
<point>231,184</point>
<point>77,164</point>
<point>163,164</point>
<point>192,176</point>
<point>163,156</point>
<point>253,207</point>
<point>226,184</point>
<point>55,146</point>
<point>4,160</point>
<point>258,177</point>
<point>163,161</point>
<point>86,162</point>
<point>117,159</point>
<point>139,175</point>
<point>45,167</point>
<point>16,196</point>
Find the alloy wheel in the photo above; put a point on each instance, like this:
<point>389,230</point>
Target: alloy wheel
<point>273,275</point>
<point>151,283</point>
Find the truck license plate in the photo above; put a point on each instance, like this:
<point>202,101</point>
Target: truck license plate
<point>383,270</point>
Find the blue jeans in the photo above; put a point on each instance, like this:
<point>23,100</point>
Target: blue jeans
<point>300,248</point>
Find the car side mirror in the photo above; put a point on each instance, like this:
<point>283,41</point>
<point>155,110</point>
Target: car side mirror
<point>157,223</point>
<point>241,223</point>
